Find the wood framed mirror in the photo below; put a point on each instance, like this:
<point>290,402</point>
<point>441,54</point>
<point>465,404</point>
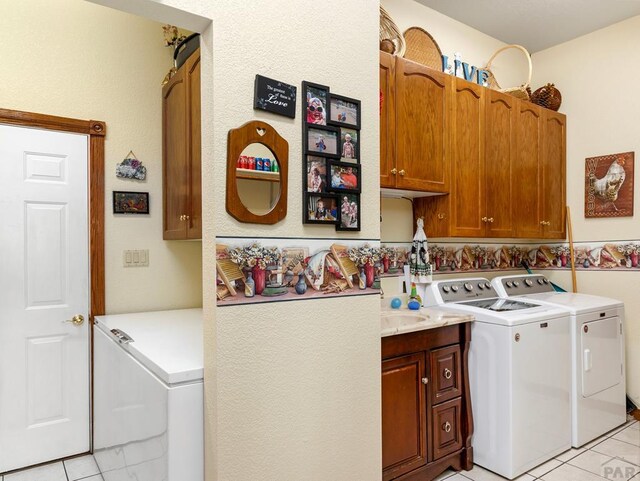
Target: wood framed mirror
<point>257,174</point>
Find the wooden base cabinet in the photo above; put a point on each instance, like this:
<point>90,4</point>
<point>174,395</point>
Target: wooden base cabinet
<point>181,157</point>
<point>427,421</point>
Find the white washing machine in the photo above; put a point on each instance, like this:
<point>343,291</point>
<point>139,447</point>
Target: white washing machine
<point>520,375</point>
<point>598,392</point>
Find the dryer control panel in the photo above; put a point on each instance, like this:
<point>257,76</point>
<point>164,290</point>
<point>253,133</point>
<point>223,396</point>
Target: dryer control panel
<point>464,290</point>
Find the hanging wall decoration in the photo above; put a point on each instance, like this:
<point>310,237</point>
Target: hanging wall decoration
<point>331,152</point>
<point>131,168</point>
<point>274,96</point>
<point>609,186</point>
<point>130,202</point>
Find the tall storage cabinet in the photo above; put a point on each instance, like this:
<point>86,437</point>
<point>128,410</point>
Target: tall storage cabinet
<point>181,156</point>
<point>387,121</point>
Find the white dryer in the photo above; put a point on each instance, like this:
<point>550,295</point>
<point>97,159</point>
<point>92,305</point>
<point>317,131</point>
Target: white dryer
<point>598,359</point>
<point>519,374</point>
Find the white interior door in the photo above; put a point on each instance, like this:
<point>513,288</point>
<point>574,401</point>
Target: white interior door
<point>44,280</point>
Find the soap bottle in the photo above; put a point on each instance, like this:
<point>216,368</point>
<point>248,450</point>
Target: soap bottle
<point>415,302</point>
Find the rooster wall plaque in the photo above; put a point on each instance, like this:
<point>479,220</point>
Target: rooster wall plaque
<point>609,186</point>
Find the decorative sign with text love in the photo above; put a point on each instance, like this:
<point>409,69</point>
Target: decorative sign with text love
<point>274,96</point>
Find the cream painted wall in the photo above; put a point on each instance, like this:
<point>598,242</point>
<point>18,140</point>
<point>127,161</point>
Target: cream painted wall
<point>96,63</point>
<point>595,74</point>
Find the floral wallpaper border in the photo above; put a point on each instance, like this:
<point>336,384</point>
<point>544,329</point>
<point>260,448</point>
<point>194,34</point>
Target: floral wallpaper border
<point>471,257</point>
<point>293,269</point>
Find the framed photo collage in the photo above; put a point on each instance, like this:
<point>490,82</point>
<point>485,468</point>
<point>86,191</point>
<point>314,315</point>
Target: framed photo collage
<point>331,151</point>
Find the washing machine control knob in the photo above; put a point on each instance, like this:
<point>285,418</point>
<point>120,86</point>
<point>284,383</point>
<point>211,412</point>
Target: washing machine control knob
<point>528,282</point>
<point>539,281</point>
<point>487,285</point>
<point>468,286</point>
<point>516,283</point>
<point>544,279</point>
<point>480,286</point>
<point>446,289</point>
<point>509,284</point>
<point>454,288</point>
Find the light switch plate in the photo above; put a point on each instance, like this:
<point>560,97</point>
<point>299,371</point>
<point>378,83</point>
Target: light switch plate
<point>135,258</point>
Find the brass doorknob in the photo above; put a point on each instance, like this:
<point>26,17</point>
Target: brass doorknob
<point>490,219</point>
<point>484,219</point>
<point>425,380</point>
<point>394,171</point>
<point>76,320</point>
<point>402,172</point>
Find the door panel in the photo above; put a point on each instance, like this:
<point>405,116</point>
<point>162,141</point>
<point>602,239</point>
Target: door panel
<point>387,120</point>
<point>404,425</point>
<point>176,151</point>
<point>553,175</point>
<point>500,153</point>
<point>44,363</point>
<point>601,355</point>
<point>527,169</point>
<point>194,224</point>
<point>423,123</point>
<point>468,166</point>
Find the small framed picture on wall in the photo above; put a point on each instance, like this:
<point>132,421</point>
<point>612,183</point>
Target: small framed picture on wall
<point>316,174</point>
<point>130,202</point>
<point>349,145</point>
<point>343,177</point>
<point>344,112</point>
<point>349,212</point>
<point>321,209</point>
<point>315,103</point>
<point>322,141</point>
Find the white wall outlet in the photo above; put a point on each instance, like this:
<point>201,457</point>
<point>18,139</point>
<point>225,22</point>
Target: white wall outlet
<point>135,258</point>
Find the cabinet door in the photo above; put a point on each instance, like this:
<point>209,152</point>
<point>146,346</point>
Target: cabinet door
<point>468,163</point>
<point>526,181</point>
<point>175,156</point>
<point>194,223</point>
<point>423,124</point>
<point>387,120</point>
<point>404,424</point>
<point>500,152</point>
<point>446,374</point>
<point>554,175</point>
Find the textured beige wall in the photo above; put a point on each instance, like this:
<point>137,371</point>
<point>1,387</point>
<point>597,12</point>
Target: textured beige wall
<point>595,74</point>
<point>91,62</point>
<point>298,383</point>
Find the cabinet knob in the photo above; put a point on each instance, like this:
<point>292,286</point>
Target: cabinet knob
<point>447,373</point>
<point>394,171</point>
<point>446,427</point>
<point>490,219</point>
<point>441,216</point>
<point>541,222</point>
<point>186,217</point>
<point>425,380</point>
<point>402,172</point>
<point>484,219</point>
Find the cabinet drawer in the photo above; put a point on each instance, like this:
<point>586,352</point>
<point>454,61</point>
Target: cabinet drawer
<point>446,379</point>
<point>446,430</point>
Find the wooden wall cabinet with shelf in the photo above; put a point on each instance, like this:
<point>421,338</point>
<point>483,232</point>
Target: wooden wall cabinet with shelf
<point>427,422</point>
<point>414,123</point>
<point>181,156</point>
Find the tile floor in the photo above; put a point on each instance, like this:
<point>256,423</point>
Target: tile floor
<point>614,457</point>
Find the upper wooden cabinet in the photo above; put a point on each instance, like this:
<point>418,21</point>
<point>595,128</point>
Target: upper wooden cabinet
<point>181,156</point>
<point>417,150</point>
<point>506,158</point>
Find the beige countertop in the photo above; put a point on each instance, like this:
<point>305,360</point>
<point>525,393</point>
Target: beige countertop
<point>403,320</point>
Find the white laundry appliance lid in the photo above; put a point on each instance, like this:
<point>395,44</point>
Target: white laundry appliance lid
<point>574,302</point>
<point>512,313</point>
<point>168,343</point>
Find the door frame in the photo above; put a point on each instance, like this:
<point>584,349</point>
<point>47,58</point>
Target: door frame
<point>96,130</point>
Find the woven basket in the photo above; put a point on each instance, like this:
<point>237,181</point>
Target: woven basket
<point>422,48</point>
<point>523,91</point>
<point>548,97</point>
<point>389,30</point>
